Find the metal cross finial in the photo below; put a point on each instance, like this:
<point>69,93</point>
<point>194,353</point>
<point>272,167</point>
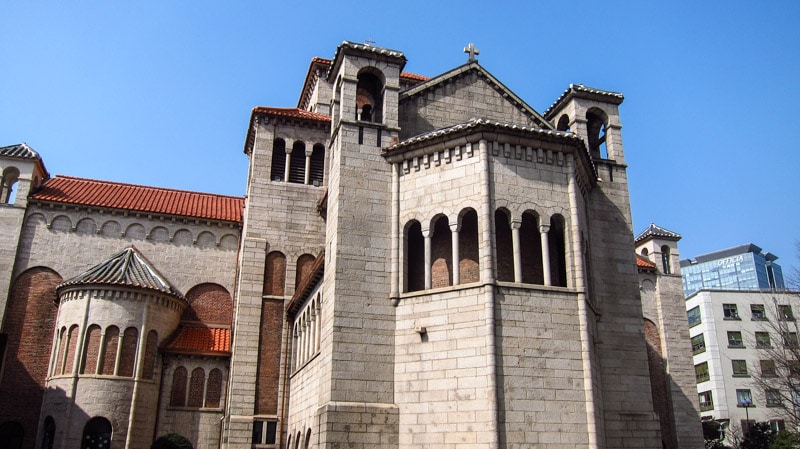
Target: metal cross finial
<point>472,51</point>
<point>369,41</point>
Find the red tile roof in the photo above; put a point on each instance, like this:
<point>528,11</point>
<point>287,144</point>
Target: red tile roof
<point>114,195</point>
<point>644,262</point>
<point>292,113</point>
<point>199,339</point>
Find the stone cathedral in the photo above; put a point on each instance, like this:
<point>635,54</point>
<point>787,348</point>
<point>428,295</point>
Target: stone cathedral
<point>417,263</point>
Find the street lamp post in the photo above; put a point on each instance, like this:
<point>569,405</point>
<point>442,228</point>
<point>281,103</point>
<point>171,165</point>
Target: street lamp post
<point>746,403</point>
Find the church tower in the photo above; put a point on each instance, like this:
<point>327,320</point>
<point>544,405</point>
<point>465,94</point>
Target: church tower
<point>358,370</point>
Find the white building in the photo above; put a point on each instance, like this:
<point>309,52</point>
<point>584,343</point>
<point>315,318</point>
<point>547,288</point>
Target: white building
<point>740,340</point>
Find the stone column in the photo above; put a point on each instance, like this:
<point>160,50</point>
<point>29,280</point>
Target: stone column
<point>515,226</point>
<point>288,164</point>
<point>426,234</point>
<point>543,229</point>
<point>307,179</point>
<point>454,243</point>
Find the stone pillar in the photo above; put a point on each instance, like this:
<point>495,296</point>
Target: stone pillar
<point>288,164</point>
<point>515,226</point>
<point>307,179</point>
<point>426,234</point>
<point>454,244</point>
<point>543,229</point>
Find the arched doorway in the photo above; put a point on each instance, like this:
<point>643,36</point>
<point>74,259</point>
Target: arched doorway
<point>96,434</point>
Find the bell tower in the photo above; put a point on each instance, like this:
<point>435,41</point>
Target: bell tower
<point>356,288</point>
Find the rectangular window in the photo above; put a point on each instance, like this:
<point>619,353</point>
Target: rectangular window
<point>777,425</point>
<point>735,339</point>
<point>694,316</point>
<point>757,311</point>
<point>785,313</point>
<point>790,339</point>
<point>773,398</point>
<point>264,432</point>
<point>701,372</point>
<point>762,340</point>
<point>739,368</point>
<point>768,368</point>
<point>730,311</point>
<point>744,398</point>
<point>706,401</point>
<point>698,344</point>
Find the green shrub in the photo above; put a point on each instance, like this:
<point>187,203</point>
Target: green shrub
<point>171,441</point>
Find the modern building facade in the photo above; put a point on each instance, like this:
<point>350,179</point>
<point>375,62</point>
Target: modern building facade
<point>742,331</point>
<point>743,267</point>
<point>741,340</point>
<point>417,263</point>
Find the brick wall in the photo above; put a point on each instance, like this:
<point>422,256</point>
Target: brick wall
<point>92,350</point>
<point>275,274</point>
<point>196,385</point>
<point>28,324</point>
<point>269,351</point>
<point>127,357</point>
<point>304,264</point>
<point>110,353</point>
<point>210,304</point>
<point>468,267</point>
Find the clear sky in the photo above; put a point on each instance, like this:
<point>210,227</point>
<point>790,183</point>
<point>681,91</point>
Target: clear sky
<point>160,92</point>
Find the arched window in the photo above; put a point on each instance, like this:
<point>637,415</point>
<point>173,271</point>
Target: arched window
<point>558,251</point>
<point>304,264</point>
<point>415,257</point>
<point>11,434</point>
<point>441,254</point>
<point>308,439</point>
<point>563,123</point>
<point>91,350</point>
<point>97,434</point>
<point>297,163</point>
<point>72,347</point>
<point>274,274</point>
<point>48,433</point>
<point>468,265</point>
<point>278,160</point>
<point>531,249</point>
<point>665,255</point>
<point>596,127</point>
<point>177,397</point>
<point>196,385</point>
<point>369,96</point>
<point>297,440</point>
<point>151,351</point>
<point>110,347</point>
<point>9,179</point>
<point>504,245</point>
<point>645,252</point>
<point>317,165</point>
<point>214,388</point>
<point>62,343</point>
<point>127,356</point>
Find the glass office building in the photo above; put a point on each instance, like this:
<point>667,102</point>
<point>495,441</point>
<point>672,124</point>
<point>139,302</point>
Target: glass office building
<point>743,267</point>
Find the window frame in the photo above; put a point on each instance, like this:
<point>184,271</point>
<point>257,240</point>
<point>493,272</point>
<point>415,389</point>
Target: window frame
<point>732,342</point>
<point>691,315</point>
<point>742,395</point>
<point>739,368</point>
<point>698,347</point>
<point>763,340</point>
<point>758,312</point>
<point>701,372</point>
<point>730,312</point>
<point>706,405</point>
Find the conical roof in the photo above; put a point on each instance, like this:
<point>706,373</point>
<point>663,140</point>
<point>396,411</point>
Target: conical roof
<point>655,231</point>
<point>128,268</point>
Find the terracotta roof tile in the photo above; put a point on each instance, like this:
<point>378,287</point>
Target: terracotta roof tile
<point>292,113</point>
<point>656,231</point>
<point>644,262</point>
<point>199,339</point>
<point>114,195</point>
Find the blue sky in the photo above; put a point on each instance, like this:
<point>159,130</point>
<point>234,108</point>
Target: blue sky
<point>160,93</point>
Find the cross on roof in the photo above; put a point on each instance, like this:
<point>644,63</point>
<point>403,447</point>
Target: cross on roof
<point>369,41</point>
<point>472,51</point>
